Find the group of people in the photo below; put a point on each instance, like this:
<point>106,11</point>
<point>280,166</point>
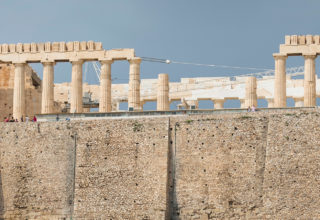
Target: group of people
<point>12,119</point>
<point>251,109</point>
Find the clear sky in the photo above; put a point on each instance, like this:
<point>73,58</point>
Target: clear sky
<point>236,33</point>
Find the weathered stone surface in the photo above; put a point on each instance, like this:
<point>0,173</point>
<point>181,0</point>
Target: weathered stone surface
<point>232,166</point>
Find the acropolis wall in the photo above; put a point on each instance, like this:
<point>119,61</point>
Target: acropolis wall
<point>245,165</point>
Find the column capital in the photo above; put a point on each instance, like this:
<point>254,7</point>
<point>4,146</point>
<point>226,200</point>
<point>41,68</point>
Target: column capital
<point>48,62</point>
<point>280,56</point>
<point>106,61</point>
<point>136,60</point>
<point>309,55</point>
<point>76,61</point>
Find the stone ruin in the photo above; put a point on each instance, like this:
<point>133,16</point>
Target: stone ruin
<point>107,96</point>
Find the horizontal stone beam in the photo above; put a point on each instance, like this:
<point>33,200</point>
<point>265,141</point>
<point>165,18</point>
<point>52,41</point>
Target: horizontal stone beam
<point>51,47</point>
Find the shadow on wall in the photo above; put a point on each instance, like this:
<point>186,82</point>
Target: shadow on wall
<point>1,199</point>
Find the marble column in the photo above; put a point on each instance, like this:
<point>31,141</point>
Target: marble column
<point>251,92</point>
<point>163,93</point>
<point>298,102</point>
<point>218,103</point>
<point>309,80</point>
<point>76,87</point>
<point>47,104</point>
<point>19,97</point>
<point>105,86</point>
<point>270,103</point>
<point>280,95</point>
<point>134,84</point>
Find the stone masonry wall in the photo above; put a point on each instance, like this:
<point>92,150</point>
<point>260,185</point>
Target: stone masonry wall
<point>122,169</point>
<point>232,166</point>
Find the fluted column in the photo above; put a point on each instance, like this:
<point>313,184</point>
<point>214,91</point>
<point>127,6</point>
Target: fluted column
<point>218,103</point>
<point>47,105</point>
<point>163,93</point>
<point>76,87</point>
<point>280,95</point>
<point>251,92</point>
<point>134,84</point>
<point>105,86</point>
<point>19,99</point>
<point>309,80</point>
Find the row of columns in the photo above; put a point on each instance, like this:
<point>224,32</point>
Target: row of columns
<point>76,105</point>
<point>280,96</point>
<point>163,102</point>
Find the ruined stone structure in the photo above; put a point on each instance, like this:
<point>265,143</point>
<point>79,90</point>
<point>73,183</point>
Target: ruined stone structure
<point>137,92</point>
<point>242,166</point>
<point>307,46</point>
<point>192,90</point>
<point>76,53</point>
<point>32,91</point>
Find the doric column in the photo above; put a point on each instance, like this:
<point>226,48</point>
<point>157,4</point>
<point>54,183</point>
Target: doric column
<point>280,95</point>
<point>270,103</point>
<point>134,84</point>
<point>76,87</point>
<point>19,99</point>
<point>251,92</point>
<point>47,88</point>
<point>309,80</point>
<point>218,103</point>
<point>105,86</point>
<point>298,102</point>
<point>142,102</point>
<point>163,93</point>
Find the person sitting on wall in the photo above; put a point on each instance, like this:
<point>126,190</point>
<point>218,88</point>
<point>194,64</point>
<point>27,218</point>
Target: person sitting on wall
<point>6,119</point>
<point>249,109</point>
<point>34,119</point>
<point>253,108</point>
<point>12,120</point>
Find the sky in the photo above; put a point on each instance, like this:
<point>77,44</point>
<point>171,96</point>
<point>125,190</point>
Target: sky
<point>230,32</point>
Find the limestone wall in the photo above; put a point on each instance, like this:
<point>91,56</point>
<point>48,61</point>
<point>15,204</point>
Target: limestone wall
<point>36,170</point>
<point>246,165</point>
<point>122,169</point>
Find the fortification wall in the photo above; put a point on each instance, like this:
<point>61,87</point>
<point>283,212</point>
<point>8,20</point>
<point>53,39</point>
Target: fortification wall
<point>241,166</point>
<point>36,170</point>
<point>122,169</point>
